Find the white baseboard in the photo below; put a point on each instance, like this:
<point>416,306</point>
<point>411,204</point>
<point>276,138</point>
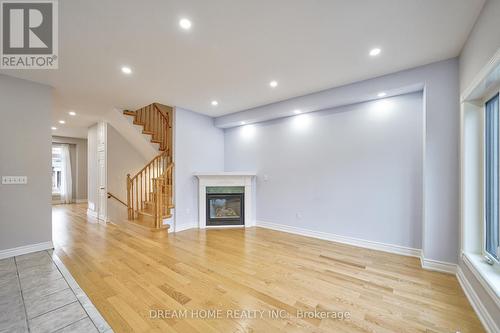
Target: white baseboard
<point>439,266</point>
<point>483,314</point>
<point>184,226</point>
<point>17,251</point>
<point>92,213</point>
<point>397,249</point>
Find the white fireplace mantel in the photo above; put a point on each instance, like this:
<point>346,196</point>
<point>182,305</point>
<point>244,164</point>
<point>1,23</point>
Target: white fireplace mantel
<point>239,178</point>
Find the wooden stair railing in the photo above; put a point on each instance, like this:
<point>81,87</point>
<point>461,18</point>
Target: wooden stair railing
<point>150,191</point>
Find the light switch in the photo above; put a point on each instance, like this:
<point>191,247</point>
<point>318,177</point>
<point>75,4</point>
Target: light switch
<point>14,180</point>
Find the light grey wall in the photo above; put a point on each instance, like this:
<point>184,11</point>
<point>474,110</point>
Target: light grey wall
<point>199,146</point>
<point>78,152</point>
<point>483,42</point>
<point>122,159</point>
<point>354,171</point>
<point>25,150</point>
<point>441,156</point>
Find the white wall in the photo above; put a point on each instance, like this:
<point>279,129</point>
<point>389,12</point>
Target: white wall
<point>483,42</point>
<point>198,146</point>
<point>122,159</point>
<point>354,171</point>
<point>25,150</point>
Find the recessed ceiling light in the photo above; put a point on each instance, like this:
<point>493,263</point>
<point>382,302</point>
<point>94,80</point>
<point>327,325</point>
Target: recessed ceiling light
<point>185,24</point>
<point>375,52</point>
<point>53,128</point>
<point>273,84</point>
<point>72,113</point>
<point>297,111</point>
<point>381,94</point>
<point>214,103</point>
<point>242,123</point>
<point>126,70</point>
<point>62,122</point>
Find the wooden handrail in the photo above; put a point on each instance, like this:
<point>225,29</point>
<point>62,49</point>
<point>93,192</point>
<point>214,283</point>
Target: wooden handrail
<point>111,195</point>
<point>149,164</point>
<point>161,113</point>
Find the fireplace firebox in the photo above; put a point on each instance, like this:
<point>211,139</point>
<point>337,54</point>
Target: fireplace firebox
<point>225,209</point>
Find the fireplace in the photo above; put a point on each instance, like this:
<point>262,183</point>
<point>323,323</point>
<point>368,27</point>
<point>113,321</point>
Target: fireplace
<point>225,206</point>
<point>233,193</point>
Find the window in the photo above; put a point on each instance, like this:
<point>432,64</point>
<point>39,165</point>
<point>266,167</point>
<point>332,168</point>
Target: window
<point>492,145</point>
<point>56,169</point>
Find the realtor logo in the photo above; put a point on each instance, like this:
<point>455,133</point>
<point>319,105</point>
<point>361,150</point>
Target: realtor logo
<point>29,34</point>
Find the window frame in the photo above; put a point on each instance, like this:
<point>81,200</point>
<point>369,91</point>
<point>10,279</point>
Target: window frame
<point>489,97</point>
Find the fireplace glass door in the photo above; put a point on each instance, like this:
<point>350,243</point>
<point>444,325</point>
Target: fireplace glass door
<point>225,209</point>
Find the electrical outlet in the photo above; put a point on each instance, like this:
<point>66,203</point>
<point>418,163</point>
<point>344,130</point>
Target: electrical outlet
<point>14,180</point>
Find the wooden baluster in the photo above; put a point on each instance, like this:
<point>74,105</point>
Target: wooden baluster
<point>155,184</point>
<point>136,195</point>
<point>128,196</point>
<point>162,133</point>
<point>140,190</point>
<point>149,118</point>
<point>160,206</point>
<point>148,122</point>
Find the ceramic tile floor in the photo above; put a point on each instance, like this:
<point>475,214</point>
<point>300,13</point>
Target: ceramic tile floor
<point>38,294</point>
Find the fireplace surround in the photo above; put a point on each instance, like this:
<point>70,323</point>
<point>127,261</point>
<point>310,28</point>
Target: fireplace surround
<point>238,191</point>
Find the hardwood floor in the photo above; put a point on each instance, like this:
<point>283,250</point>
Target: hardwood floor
<point>127,276</point>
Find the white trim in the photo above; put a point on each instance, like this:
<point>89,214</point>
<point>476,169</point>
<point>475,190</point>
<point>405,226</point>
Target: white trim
<point>224,226</point>
<point>480,278</point>
<point>81,200</point>
<point>17,251</point>
<point>397,249</point>
<point>206,179</point>
<point>483,73</point>
<point>483,314</point>
<point>439,266</point>
<point>226,173</point>
<point>184,226</point>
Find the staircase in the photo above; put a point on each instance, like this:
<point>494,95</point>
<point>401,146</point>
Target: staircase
<point>150,191</point>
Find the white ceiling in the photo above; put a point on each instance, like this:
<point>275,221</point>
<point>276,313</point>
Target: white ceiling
<point>235,48</point>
